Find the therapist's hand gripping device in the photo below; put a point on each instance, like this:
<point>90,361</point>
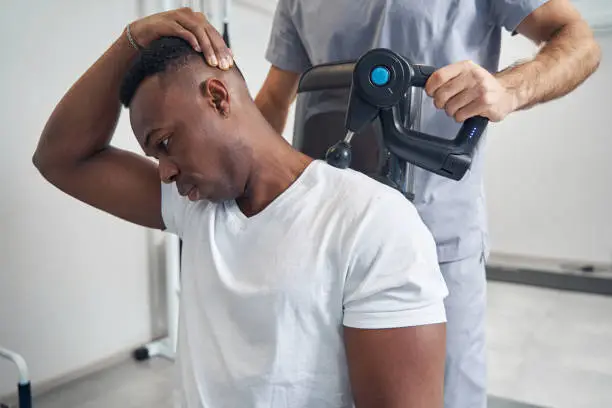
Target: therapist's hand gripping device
<point>380,85</point>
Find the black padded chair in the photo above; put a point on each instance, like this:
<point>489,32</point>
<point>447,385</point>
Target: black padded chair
<point>315,134</point>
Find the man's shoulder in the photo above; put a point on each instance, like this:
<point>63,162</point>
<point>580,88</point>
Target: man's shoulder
<point>360,188</point>
<point>360,197</point>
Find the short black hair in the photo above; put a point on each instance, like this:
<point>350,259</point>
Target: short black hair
<point>159,56</point>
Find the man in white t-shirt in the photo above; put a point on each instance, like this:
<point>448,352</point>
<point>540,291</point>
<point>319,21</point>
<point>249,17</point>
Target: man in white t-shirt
<point>303,285</point>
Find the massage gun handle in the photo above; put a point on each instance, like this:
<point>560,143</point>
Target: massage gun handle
<point>471,129</point>
<point>421,74</point>
<point>446,157</point>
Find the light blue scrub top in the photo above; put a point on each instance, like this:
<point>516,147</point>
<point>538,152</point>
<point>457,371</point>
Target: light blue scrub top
<point>432,32</point>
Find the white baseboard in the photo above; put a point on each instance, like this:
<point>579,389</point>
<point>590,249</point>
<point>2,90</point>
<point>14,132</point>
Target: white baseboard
<point>509,260</point>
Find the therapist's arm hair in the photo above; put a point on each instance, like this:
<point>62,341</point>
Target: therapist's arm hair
<point>568,55</point>
<point>276,95</point>
<point>397,368</point>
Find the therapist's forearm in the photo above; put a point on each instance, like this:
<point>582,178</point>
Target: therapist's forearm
<point>274,113</point>
<point>561,65</point>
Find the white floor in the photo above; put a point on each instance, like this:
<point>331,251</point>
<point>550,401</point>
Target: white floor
<point>550,348</point>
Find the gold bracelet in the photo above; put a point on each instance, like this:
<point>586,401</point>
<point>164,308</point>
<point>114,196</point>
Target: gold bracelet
<point>131,39</point>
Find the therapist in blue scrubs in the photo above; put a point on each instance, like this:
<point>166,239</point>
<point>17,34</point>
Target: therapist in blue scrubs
<point>463,39</point>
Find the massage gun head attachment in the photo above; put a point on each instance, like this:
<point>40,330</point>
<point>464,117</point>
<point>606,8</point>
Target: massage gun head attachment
<point>339,155</point>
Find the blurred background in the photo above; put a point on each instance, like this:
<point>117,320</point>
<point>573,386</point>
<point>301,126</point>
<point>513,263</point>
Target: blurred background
<point>80,291</point>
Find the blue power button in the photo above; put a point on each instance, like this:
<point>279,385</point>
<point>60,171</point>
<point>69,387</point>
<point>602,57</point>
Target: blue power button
<point>380,76</point>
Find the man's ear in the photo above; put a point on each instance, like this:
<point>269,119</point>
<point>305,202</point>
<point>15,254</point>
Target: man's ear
<point>217,95</point>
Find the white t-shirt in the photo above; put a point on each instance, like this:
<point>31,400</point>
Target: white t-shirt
<point>264,299</point>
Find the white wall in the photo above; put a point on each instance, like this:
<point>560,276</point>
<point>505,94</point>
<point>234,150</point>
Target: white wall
<point>73,283</point>
<point>548,171</point>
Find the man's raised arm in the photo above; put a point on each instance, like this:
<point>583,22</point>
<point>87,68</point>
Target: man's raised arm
<point>74,151</point>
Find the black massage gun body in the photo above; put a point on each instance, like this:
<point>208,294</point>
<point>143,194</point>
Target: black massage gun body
<point>379,83</point>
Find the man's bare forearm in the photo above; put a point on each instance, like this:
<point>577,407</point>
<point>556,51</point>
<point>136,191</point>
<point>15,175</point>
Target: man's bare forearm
<point>83,122</point>
<point>560,66</point>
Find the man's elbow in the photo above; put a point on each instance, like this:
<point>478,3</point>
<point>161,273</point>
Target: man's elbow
<point>38,160</point>
<point>42,159</point>
<point>45,168</point>
<point>47,158</point>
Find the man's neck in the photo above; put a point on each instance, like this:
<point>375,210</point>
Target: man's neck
<point>273,172</point>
